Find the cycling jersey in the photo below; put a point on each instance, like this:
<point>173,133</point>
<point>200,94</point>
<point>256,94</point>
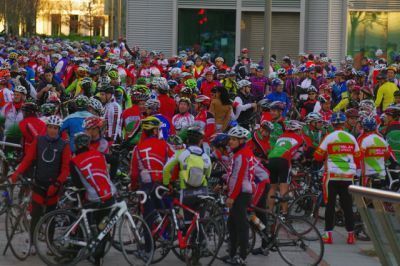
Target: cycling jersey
<point>207,121</point>
<point>385,95</point>
<point>308,107</point>
<point>6,96</point>
<point>131,120</point>
<point>101,145</point>
<point>242,174</point>
<point>374,152</point>
<point>31,127</point>
<point>112,116</point>
<point>260,145</point>
<point>287,145</point>
<point>167,128</point>
<point>315,136</point>
<point>13,115</point>
<point>148,160</point>
<point>73,124</point>
<point>167,105</point>
<point>90,168</point>
<point>181,121</point>
<point>277,131</point>
<point>342,153</point>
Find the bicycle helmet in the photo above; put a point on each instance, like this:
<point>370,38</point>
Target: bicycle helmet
<point>21,89</point>
<point>191,83</point>
<point>276,82</point>
<point>367,105</point>
<point>324,59</point>
<point>107,89</point>
<point>277,105</point>
<point>367,90</point>
<point>350,82</point>
<point>219,140</point>
<point>96,105</point>
<point>104,81</point>
<point>195,131</point>
<point>175,141</point>
<point>352,112</point>
<point>13,56</point>
<point>152,104</point>
<point>324,86</point>
<point>30,107</point>
<point>313,117</point>
<point>244,83</point>
<point>331,75</point>
<point>264,104</point>
<point>393,110</point>
<point>83,68</point>
<point>93,122</point>
<point>324,98</point>
<point>86,82</point>
<point>23,59</point>
<point>48,109</point>
<point>312,89</point>
<point>238,132</point>
<point>253,65</point>
<point>186,90</point>
<point>81,140</point>
<point>81,102</point>
<point>281,71</point>
<point>54,120</point>
<point>137,95</point>
<point>267,125</point>
<point>369,123</point>
<point>203,100</point>
<point>396,93</point>
<point>293,125</point>
<point>360,74</point>
<point>338,118</point>
<point>113,74</point>
<point>172,83</point>
<point>185,100</point>
<point>175,71</point>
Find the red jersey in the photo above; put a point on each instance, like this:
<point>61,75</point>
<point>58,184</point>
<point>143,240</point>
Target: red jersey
<point>131,120</point>
<point>31,127</point>
<point>208,122</point>
<point>167,106</point>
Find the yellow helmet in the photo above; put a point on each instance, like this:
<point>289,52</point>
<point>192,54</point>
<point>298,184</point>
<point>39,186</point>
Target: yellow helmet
<point>150,122</point>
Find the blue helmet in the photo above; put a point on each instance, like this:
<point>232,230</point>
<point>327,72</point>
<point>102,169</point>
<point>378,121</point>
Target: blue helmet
<point>338,118</point>
<point>220,140</point>
<point>369,123</point>
<point>330,75</point>
<point>276,82</point>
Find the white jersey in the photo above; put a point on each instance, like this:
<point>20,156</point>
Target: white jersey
<point>113,119</point>
<point>374,149</point>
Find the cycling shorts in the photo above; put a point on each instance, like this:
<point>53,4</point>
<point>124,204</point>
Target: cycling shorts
<point>279,169</point>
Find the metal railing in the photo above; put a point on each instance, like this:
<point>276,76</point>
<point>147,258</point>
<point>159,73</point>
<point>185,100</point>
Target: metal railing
<point>380,212</point>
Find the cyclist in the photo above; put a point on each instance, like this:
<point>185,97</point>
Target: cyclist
<point>323,107</point>
<point>260,141</point>
<point>276,110</point>
<point>73,123</point>
<point>244,104</point>
<point>374,152</point>
<point>50,155</point>
<point>285,149</point>
<point>184,118</point>
<point>148,160</point>
<point>239,195</point>
<point>352,125</point>
<point>89,170</point>
<point>385,93</point>
<point>112,113</point>
<point>95,107</point>
<point>204,117</point>
<point>341,154</point>
<point>279,95</point>
<point>152,108</point>
<point>167,104</point>
<point>308,106</point>
<point>31,126</point>
<point>6,94</point>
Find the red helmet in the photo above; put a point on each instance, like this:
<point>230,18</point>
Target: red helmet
<point>352,112</point>
<point>324,98</point>
<point>356,89</point>
<point>203,100</point>
<point>23,60</point>
<point>324,87</point>
<point>368,90</point>
<point>245,51</point>
<point>93,122</point>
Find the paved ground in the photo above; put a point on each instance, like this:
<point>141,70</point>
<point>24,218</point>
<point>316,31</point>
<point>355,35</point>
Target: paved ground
<point>336,254</point>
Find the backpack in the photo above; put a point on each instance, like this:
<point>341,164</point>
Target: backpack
<point>193,170</point>
<point>393,139</point>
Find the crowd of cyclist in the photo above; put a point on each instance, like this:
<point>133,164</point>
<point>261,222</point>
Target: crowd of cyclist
<point>68,103</point>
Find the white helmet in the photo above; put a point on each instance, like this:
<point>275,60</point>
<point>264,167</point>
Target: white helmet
<point>367,105</point>
<point>96,105</point>
<point>238,132</point>
<point>152,104</point>
<point>176,70</point>
<point>313,117</point>
<point>243,83</point>
<point>293,125</point>
<point>324,59</point>
<point>21,89</point>
<point>54,120</point>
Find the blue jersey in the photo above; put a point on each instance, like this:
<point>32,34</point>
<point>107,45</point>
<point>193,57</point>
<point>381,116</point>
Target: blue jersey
<point>281,97</point>
<point>165,126</point>
<point>74,124</point>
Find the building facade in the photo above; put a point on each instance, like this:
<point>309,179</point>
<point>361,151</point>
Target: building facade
<point>223,27</point>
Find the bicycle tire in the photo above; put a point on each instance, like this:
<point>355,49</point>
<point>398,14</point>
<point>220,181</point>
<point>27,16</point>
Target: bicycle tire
<point>18,232</point>
<point>305,206</point>
<point>53,250</point>
<point>296,232</point>
<point>136,233</point>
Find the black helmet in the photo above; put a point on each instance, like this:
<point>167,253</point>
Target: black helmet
<point>107,89</point>
<point>81,140</point>
<point>30,107</point>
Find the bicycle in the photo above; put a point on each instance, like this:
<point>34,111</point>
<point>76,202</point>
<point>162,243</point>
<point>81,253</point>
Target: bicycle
<point>202,239</point>
<point>290,234</point>
<point>62,237</point>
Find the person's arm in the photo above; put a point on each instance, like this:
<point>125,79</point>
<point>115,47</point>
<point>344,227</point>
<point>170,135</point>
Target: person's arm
<point>27,161</point>
<point>72,87</point>
<point>379,97</point>
<point>66,158</point>
<point>341,105</point>
<point>168,167</point>
<point>238,172</point>
<point>135,169</point>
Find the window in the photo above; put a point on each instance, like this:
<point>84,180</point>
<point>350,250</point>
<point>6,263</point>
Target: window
<point>212,31</point>
<point>55,24</point>
<point>98,26</point>
<point>73,24</point>
<point>369,30</point>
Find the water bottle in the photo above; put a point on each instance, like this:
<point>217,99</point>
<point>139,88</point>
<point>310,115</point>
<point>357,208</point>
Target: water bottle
<point>103,223</point>
<point>256,221</point>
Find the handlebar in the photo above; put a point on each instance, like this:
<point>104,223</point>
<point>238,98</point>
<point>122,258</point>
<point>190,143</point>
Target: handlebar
<point>159,196</point>
<point>143,194</point>
<point>9,144</point>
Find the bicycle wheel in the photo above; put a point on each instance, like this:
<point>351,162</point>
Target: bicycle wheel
<point>305,206</point>
<point>297,244</point>
<point>203,245</point>
<point>135,240</point>
<point>18,231</point>
<point>59,240</point>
